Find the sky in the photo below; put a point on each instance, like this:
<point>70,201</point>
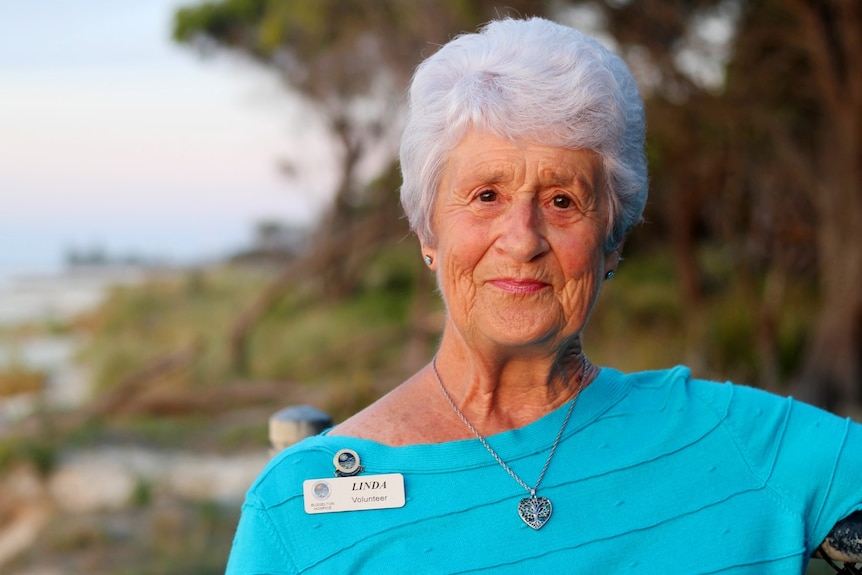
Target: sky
<point>114,137</point>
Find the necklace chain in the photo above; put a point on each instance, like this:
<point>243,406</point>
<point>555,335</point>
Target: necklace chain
<point>488,447</point>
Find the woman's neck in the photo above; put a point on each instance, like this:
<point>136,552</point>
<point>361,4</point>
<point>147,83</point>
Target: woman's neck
<point>499,389</point>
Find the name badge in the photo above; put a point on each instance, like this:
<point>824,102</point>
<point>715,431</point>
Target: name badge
<point>358,493</point>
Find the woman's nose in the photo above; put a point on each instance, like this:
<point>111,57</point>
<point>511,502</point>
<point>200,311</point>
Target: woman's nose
<point>522,234</point>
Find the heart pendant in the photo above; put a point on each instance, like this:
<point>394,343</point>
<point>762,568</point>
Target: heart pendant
<point>535,511</point>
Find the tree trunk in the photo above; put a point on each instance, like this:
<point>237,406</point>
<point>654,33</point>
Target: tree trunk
<point>832,376</point>
<point>833,367</point>
<point>339,270</point>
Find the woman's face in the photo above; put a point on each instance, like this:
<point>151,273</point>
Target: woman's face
<point>519,234</point>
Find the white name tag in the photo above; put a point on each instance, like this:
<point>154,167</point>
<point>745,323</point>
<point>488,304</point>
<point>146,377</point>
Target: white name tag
<point>357,493</point>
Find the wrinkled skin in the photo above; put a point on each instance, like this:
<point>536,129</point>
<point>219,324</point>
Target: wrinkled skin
<point>518,246</point>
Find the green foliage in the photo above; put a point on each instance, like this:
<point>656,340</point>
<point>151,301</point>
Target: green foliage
<point>793,334</point>
<point>638,318</point>
<point>137,324</point>
<point>353,347</point>
<point>41,452</point>
<point>730,342</point>
<point>310,339</point>
<point>183,538</point>
<point>640,321</point>
<point>309,27</point>
<point>194,542</point>
<point>80,535</point>
<point>142,496</point>
<point>221,18</point>
<point>306,339</point>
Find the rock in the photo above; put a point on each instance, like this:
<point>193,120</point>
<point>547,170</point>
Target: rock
<point>91,483</point>
<point>24,511</point>
<point>104,479</point>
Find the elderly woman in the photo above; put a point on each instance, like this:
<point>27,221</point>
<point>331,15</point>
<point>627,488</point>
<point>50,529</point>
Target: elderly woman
<point>510,452</point>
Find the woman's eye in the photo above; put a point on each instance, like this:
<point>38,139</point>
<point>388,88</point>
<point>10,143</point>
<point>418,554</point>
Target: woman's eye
<point>487,196</point>
<point>562,202</point>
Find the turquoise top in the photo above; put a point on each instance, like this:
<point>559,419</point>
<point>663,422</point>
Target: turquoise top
<point>656,473</point>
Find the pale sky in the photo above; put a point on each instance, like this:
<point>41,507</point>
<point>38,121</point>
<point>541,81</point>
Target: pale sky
<point>111,135</point>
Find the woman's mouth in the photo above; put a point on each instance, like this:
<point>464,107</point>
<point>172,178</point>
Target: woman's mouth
<point>519,286</point>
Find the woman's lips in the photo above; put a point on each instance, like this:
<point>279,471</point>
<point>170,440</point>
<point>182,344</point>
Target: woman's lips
<point>519,286</point>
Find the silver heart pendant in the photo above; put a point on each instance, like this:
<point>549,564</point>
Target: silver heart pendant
<point>535,511</point>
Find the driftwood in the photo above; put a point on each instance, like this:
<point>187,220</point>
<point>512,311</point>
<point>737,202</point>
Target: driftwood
<point>113,401</point>
<point>353,242</point>
<point>209,400</point>
<point>138,381</point>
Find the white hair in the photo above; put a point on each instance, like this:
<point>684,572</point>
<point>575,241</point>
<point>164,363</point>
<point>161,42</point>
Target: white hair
<point>526,79</point>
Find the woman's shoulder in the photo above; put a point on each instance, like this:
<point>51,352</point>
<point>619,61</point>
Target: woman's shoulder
<point>379,421</point>
<point>680,382</point>
<point>671,387</point>
<point>723,402</point>
<point>409,414</point>
<point>758,419</point>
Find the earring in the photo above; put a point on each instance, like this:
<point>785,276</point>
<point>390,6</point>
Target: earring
<point>428,260</point>
<point>609,275</point>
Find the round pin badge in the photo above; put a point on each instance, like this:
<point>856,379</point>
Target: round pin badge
<point>346,463</point>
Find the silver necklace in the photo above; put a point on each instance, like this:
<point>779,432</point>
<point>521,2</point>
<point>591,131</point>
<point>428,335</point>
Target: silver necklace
<point>533,510</point>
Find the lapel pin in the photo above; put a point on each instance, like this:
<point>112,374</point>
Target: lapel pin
<point>347,463</point>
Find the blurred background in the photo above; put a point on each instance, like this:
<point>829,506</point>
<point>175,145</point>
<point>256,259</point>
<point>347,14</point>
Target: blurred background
<point>200,225</point>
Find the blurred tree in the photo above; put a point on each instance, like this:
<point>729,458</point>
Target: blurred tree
<point>351,60</point>
<point>828,36</point>
<point>755,140</point>
<point>769,161</point>
<point>792,61</point>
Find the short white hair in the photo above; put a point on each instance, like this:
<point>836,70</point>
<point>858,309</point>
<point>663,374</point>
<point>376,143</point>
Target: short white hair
<point>526,79</point>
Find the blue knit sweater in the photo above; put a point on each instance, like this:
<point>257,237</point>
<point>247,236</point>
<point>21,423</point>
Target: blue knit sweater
<point>656,473</point>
